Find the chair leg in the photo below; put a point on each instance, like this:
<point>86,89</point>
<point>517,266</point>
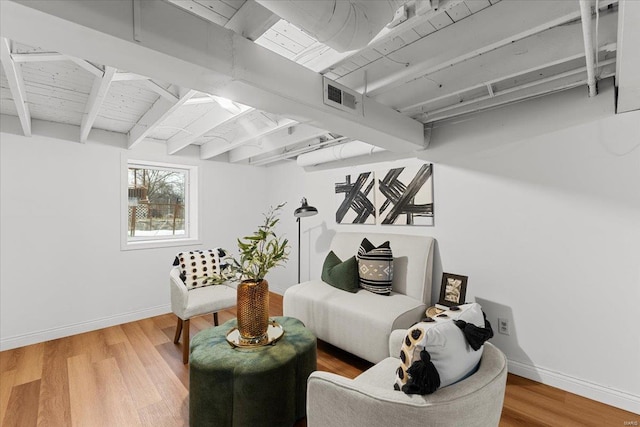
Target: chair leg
<point>215,319</point>
<point>185,343</point>
<point>178,331</point>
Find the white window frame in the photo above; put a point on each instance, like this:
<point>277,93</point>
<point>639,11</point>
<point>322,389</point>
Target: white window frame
<point>191,207</point>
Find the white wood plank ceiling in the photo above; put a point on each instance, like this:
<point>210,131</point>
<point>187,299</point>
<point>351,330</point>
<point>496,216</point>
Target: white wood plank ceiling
<point>458,58</point>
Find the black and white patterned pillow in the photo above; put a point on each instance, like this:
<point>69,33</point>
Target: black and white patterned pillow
<point>443,343</point>
<point>375,267</point>
<point>196,266</point>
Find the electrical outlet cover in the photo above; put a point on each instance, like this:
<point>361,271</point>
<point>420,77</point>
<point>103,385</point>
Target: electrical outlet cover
<point>503,326</point>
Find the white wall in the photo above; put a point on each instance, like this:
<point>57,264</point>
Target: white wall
<point>539,204</point>
<point>62,270</point>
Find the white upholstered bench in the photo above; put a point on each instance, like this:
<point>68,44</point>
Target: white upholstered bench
<point>361,322</point>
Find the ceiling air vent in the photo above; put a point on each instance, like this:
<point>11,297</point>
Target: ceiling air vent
<point>341,97</point>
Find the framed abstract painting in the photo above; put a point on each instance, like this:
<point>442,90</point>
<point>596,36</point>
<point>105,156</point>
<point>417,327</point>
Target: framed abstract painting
<point>404,195</point>
<point>355,199</point>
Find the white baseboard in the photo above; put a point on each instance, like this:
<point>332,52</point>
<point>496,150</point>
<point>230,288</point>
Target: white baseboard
<point>609,396</point>
<point>81,327</point>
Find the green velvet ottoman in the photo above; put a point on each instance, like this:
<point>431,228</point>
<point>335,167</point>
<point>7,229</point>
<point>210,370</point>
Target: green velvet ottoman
<point>252,387</point>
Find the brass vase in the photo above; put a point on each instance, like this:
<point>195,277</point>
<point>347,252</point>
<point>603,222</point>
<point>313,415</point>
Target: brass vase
<point>253,311</point>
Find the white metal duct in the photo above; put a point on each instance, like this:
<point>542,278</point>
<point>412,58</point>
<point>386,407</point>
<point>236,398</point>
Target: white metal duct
<point>340,24</point>
<point>339,152</point>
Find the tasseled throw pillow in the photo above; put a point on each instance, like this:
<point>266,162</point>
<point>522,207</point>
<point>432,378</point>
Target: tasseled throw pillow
<point>375,267</point>
<point>441,352</point>
<point>196,266</point>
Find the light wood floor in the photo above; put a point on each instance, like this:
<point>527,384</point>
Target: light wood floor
<point>132,374</point>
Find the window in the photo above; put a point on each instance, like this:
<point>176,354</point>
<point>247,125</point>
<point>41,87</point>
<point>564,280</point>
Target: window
<point>161,204</point>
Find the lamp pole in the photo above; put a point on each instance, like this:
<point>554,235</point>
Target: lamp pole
<point>303,211</point>
<point>299,248</point>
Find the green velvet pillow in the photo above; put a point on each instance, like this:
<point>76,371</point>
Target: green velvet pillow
<point>339,274</point>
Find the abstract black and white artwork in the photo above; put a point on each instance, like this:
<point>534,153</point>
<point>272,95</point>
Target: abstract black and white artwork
<point>405,195</point>
<point>355,200</point>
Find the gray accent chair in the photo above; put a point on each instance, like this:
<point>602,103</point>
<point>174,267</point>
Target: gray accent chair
<point>370,400</point>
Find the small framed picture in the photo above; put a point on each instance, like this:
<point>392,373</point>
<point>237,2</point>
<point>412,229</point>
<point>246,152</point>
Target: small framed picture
<point>453,289</point>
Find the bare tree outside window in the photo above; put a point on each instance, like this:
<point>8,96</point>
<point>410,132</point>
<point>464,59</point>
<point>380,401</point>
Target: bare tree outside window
<point>156,202</point>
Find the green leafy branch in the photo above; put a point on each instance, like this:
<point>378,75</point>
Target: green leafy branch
<point>258,252</point>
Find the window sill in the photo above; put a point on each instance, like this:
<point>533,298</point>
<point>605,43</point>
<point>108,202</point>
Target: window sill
<point>154,244</point>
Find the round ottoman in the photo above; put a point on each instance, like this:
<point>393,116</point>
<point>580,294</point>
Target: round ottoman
<point>261,386</point>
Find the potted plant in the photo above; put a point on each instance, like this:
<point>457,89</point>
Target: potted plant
<point>258,254</point>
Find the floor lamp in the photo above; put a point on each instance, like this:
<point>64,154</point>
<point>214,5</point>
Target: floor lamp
<point>302,211</point>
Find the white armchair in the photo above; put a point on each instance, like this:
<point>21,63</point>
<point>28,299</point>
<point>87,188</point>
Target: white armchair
<point>370,400</point>
<point>196,302</point>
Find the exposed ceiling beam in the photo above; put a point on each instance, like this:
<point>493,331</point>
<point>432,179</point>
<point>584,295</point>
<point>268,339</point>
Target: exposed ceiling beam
<point>158,113</point>
<point>289,152</point>
<point>567,80</point>
<point>455,97</point>
<point>265,144</point>
<point>200,100</point>
<point>505,63</point>
<point>213,148</point>
<point>164,93</point>
<point>197,129</point>
<point>450,46</point>
<point>126,76</point>
<point>54,56</point>
<point>13,73</point>
<point>176,46</point>
<point>589,51</point>
<point>38,57</point>
<point>96,98</point>
<point>628,65</point>
<point>252,20</point>
<point>376,157</point>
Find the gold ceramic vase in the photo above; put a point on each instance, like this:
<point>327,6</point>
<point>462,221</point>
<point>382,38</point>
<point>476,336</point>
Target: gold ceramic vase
<point>253,311</point>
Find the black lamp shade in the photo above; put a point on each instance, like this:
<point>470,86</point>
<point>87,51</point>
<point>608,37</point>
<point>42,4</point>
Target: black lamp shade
<point>305,210</point>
